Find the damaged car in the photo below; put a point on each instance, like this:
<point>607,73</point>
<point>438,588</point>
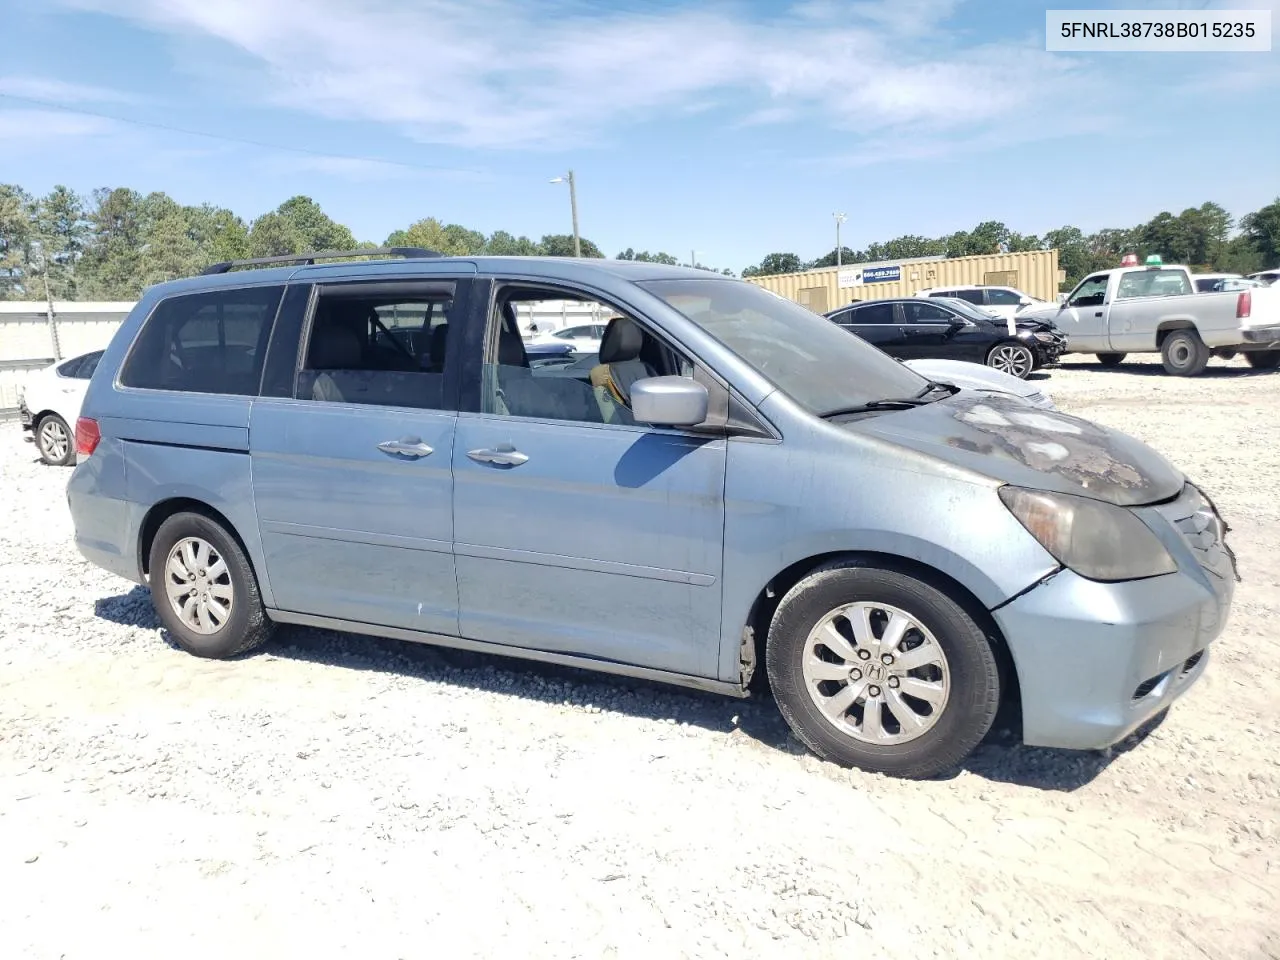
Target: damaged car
<point>736,491</point>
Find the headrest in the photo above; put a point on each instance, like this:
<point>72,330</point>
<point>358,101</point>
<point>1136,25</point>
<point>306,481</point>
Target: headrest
<point>511,350</point>
<point>622,341</point>
<point>335,347</point>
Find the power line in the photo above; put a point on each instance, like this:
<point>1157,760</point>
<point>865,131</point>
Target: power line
<point>231,139</point>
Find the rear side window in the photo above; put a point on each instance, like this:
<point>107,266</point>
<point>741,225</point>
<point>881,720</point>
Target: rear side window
<point>973,296</point>
<point>379,343</point>
<point>205,342</point>
<point>872,313</point>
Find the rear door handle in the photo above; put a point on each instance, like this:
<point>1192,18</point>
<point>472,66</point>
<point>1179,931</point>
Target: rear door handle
<point>504,455</point>
<point>412,447</point>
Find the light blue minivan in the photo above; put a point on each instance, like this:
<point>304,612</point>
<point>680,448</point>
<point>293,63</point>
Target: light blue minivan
<point>734,483</point>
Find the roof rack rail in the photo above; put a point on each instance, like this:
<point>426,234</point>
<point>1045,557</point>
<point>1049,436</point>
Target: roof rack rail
<point>227,266</point>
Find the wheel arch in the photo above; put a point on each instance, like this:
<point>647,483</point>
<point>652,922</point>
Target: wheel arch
<point>1167,327</point>
<point>163,510</point>
<point>756,630</point>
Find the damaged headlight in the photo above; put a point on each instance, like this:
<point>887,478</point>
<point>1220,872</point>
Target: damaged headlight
<point>1097,540</point>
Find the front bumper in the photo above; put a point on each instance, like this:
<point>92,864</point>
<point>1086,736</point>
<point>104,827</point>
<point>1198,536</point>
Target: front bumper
<point>1047,351</point>
<point>1097,660</point>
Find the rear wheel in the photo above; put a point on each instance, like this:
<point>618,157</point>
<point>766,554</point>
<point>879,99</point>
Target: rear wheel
<point>55,442</point>
<point>1184,354</point>
<point>1264,361</point>
<point>1014,358</point>
<point>1111,359</point>
<point>204,589</point>
<point>876,669</point>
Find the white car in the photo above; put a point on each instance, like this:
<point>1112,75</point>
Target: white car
<point>49,405</point>
<point>583,337</point>
<point>1218,282</point>
<point>1269,277</point>
<point>1003,302</point>
<point>982,379</point>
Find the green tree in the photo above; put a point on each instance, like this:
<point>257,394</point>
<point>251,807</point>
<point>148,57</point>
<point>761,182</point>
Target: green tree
<point>315,228</point>
<point>16,216</point>
<point>775,263</point>
<point>170,252</point>
<point>1261,230</point>
<point>62,230</point>
<point>503,244</point>
<point>847,256</point>
<point>274,235</point>
<point>561,245</point>
<point>112,261</point>
<point>218,234</point>
<point>451,239</point>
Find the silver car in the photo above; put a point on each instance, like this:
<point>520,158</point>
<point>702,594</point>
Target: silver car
<point>737,488</point>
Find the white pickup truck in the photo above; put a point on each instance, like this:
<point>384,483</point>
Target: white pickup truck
<point>1156,309</point>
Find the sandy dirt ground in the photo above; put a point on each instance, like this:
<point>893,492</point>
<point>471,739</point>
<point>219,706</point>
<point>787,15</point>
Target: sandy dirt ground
<point>344,796</point>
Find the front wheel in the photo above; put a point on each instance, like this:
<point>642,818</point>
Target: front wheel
<point>1014,358</point>
<point>1264,361</point>
<point>876,669</point>
<point>1111,359</point>
<point>54,440</point>
<point>1184,354</point>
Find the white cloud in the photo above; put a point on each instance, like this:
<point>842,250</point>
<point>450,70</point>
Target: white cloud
<point>40,128</point>
<point>47,88</point>
<point>501,73</point>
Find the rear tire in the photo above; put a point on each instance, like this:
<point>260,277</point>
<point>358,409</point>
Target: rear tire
<point>1111,359</point>
<point>55,441</point>
<point>1184,354</point>
<point>204,589</point>
<point>935,696</point>
<point>1264,361</point>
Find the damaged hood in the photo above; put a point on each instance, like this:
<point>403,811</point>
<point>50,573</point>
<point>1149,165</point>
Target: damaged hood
<point>1039,449</point>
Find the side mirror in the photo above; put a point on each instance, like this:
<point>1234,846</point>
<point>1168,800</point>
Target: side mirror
<point>669,401</point>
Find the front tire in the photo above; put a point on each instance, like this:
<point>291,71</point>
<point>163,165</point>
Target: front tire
<point>204,589</point>
<point>55,441</point>
<point>1014,358</point>
<point>876,669</point>
<point>1184,354</point>
<point>1264,361</point>
<point>1111,359</point>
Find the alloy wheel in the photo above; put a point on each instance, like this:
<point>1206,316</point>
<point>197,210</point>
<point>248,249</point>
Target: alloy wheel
<point>54,442</point>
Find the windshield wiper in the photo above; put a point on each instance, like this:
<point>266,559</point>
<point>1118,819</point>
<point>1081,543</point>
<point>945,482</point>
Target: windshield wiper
<point>896,403</point>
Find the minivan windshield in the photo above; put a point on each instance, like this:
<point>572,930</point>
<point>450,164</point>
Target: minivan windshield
<point>812,360</point>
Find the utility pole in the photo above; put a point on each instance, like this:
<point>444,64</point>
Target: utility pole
<point>840,218</point>
<point>693,258</point>
<point>573,206</point>
<point>48,303</point>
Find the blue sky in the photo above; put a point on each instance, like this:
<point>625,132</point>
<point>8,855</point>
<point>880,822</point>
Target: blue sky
<point>732,128</point>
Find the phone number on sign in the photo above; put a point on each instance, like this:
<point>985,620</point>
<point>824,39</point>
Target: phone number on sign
<point>1158,30</point>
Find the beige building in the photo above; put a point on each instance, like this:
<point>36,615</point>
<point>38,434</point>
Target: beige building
<point>1035,272</point>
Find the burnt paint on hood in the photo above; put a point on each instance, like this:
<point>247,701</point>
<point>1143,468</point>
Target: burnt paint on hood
<point>1029,447</point>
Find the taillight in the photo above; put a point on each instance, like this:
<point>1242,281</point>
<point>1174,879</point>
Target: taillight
<point>1244,305</point>
<point>87,436</point>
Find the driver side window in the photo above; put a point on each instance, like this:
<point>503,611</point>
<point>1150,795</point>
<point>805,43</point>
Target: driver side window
<point>592,388</point>
<point>1091,293</point>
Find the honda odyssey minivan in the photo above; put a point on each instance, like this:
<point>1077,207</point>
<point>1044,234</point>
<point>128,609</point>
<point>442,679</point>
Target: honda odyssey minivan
<point>737,488</point>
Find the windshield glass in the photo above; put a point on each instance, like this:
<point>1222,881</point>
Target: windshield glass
<point>820,366</point>
<point>965,308</point>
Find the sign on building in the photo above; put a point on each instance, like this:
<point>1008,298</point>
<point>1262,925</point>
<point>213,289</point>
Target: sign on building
<point>857,276</point>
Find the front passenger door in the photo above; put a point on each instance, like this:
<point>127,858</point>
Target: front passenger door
<point>927,332</point>
<point>576,535</point>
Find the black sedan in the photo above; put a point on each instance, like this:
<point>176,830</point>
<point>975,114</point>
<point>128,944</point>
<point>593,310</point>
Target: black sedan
<point>912,328</point>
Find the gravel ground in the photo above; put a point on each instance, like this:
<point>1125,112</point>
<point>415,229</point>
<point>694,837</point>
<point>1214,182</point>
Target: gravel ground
<point>337,795</point>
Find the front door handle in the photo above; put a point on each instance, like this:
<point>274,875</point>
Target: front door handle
<point>1098,314</point>
<point>406,447</point>
<point>504,454</point>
